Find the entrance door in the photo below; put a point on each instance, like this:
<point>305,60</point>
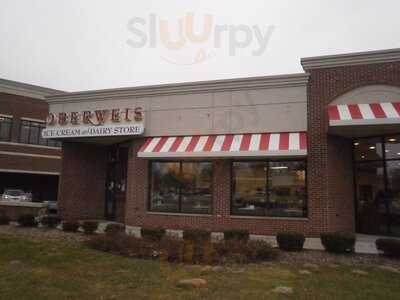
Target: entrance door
<point>116,183</point>
<point>377,185</point>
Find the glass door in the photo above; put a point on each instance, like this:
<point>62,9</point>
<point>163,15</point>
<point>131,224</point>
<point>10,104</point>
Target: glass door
<point>377,185</point>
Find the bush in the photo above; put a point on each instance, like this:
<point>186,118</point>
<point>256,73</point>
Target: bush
<point>123,244</point>
<point>290,240</point>
<point>27,221</point>
<point>89,227</point>
<point>196,235</point>
<point>236,234</point>
<point>115,228</point>
<point>50,221</point>
<point>237,251</point>
<point>390,247</point>
<point>171,249</point>
<point>70,226</point>
<point>4,220</point>
<point>260,251</point>
<point>338,242</point>
<point>153,234</point>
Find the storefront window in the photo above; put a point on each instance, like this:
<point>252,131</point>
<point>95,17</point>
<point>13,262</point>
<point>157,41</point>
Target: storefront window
<point>181,187</point>
<point>272,189</point>
<point>5,129</point>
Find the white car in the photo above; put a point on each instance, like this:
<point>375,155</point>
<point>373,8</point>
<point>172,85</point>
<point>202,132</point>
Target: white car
<point>15,195</point>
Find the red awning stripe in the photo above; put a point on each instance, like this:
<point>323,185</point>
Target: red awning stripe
<point>258,144</point>
<point>364,114</point>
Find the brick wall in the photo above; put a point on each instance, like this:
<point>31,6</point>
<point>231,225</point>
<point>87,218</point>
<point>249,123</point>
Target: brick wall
<point>220,219</point>
<point>330,195</point>
<point>25,107</point>
<point>82,183</point>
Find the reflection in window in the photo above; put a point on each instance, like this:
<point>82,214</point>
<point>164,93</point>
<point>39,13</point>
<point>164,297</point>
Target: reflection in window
<point>31,133</point>
<point>275,189</point>
<point>249,184</point>
<point>5,129</point>
<point>181,187</point>
<point>392,147</point>
<point>368,149</point>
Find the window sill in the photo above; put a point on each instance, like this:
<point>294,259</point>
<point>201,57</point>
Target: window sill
<point>176,214</point>
<point>269,218</point>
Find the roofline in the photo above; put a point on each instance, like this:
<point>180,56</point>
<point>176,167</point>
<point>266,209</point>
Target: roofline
<point>350,59</point>
<point>277,81</point>
<point>25,89</point>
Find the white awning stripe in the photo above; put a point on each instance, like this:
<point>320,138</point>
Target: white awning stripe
<point>240,145</point>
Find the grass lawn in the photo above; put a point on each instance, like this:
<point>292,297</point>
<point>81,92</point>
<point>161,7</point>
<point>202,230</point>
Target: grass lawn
<point>56,270</point>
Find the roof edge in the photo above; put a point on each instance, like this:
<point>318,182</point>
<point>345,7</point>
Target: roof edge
<point>25,89</point>
<point>184,88</point>
<point>350,59</point>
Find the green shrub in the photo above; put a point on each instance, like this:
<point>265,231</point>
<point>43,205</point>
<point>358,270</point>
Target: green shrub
<point>153,234</point>
<point>290,240</point>
<point>70,226</point>
<point>236,234</point>
<point>338,242</point>
<point>260,251</point>
<point>89,227</point>
<point>4,220</point>
<point>27,221</point>
<point>197,235</point>
<point>50,221</point>
<point>237,251</point>
<point>114,228</point>
<point>390,247</point>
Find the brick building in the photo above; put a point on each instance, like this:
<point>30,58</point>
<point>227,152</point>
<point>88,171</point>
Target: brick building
<point>314,152</point>
<point>27,161</point>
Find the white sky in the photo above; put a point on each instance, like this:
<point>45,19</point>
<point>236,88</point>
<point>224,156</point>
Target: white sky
<point>79,45</point>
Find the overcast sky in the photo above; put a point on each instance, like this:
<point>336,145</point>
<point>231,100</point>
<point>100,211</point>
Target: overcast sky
<point>82,44</point>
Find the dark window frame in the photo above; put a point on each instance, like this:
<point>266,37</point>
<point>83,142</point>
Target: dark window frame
<point>149,191</point>
<point>267,189</point>
<point>36,124</point>
<point>356,161</point>
<point>11,120</point>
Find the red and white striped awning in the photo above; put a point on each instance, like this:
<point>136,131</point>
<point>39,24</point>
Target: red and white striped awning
<point>228,145</point>
<point>364,114</point>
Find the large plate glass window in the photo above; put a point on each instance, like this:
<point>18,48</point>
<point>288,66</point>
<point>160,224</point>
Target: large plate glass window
<point>181,187</point>
<point>269,188</point>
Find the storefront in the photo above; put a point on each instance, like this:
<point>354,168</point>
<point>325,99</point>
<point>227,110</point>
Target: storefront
<point>312,152</point>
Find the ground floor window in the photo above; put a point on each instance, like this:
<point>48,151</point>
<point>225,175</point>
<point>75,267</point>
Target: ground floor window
<point>377,181</point>
<point>181,187</point>
<point>269,188</point>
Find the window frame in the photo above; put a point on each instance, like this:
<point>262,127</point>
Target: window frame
<point>267,189</point>
<point>41,125</point>
<point>179,212</point>
<point>11,119</point>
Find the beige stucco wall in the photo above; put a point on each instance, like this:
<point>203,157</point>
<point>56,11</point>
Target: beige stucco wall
<point>278,109</point>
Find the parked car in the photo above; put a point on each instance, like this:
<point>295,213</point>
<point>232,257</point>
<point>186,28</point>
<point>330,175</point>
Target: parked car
<point>15,195</point>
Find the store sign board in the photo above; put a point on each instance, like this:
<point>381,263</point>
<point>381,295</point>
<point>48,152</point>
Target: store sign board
<point>105,122</point>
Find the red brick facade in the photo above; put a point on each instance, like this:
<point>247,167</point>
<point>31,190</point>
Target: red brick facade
<point>81,193</point>
<point>25,107</point>
<point>329,174</point>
